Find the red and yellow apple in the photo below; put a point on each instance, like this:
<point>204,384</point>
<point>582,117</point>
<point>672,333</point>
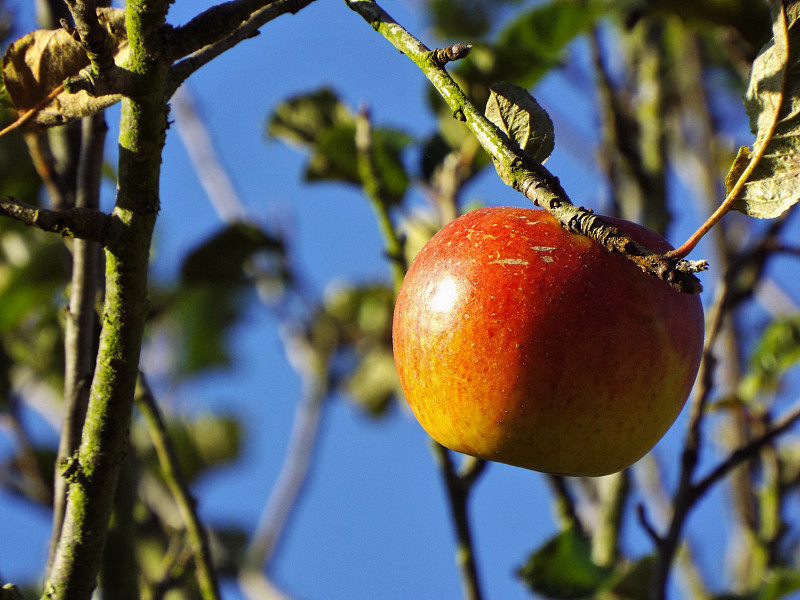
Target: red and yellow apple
<point>520,342</point>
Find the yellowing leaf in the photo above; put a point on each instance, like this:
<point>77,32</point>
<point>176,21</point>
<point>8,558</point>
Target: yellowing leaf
<point>773,104</point>
<point>37,63</point>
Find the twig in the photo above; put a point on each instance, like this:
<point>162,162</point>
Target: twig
<point>747,451</point>
<point>373,187</point>
<point>566,512</point>
<point>94,470</point>
<point>682,499</point>
<point>81,330</point>
<point>30,113</point>
<point>523,173</point>
<point>290,482</point>
<point>179,488</point>
<point>213,177</point>
<point>208,43</point>
<point>442,56</point>
<point>295,469</point>
<point>613,492</point>
<point>78,222</point>
<point>458,496</point>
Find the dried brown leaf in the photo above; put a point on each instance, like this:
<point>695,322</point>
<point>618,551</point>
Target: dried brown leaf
<point>40,61</point>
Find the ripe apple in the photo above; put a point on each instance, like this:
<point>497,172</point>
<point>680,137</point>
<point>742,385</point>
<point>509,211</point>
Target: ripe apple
<point>520,342</point>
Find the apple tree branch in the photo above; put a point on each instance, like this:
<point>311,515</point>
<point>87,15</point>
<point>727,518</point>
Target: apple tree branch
<point>526,175</point>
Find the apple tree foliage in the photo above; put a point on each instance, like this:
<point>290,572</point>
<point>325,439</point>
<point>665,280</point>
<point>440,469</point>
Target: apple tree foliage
<point>663,76</point>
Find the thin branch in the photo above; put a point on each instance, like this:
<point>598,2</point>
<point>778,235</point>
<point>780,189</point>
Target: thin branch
<point>747,451</point>
<point>564,505</point>
<point>234,31</point>
<point>458,496</point>
<point>683,501</point>
<point>289,485</point>
<point>523,173</point>
<point>30,113</point>
<point>179,488</point>
<point>94,470</point>
<point>374,189</point>
<point>305,428</point>
<point>81,327</point>
<point>78,222</point>
<point>91,34</point>
<point>212,26</point>
<point>213,177</point>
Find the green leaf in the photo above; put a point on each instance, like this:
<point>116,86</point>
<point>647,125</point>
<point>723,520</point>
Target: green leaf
<point>464,19</point>
<point>362,312</point>
<point>773,105</point>
<point>631,581</point>
<point>222,259</point>
<point>201,443</point>
<point>562,569</point>
<point>323,125</point>
<point>215,276</point>
<point>517,114</point>
<point>779,582</point>
<point>35,269</point>
<point>776,352</point>
<point>18,176</point>
<point>534,42</point>
<point>374,383</point>
<point>300,119</point>
<point>204,314</point>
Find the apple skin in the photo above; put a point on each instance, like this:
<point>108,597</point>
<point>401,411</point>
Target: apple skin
<point>519,342</point>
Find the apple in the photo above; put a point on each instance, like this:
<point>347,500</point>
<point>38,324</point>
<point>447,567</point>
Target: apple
<point>520,342</point>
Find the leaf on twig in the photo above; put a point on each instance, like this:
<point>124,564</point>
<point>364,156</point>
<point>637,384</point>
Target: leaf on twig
<point>522,119</point>
<point>563,568</point>
<point>774,355</point>
<point>37,63</point>
<point>772,166</point>
<point>321,124</point>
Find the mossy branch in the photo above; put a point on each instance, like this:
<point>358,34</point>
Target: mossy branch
<point>93,470</point>
<point>523,173</point>
<point>102,76</point>
<point>77,222</point>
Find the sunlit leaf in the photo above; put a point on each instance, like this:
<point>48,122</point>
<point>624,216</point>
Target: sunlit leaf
<point>562,569</point>
<point>300,119</point>
<point>321,124</point>
<point>362,312</point>
<point>773,105</point>
<point>517,114</point>
<point>201,443</point>
<point>529,45</point>
<point>374,382</point>
<point>773,355</point>
<point>36,64</point>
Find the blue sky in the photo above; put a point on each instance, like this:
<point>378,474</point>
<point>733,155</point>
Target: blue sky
<point>374,522</point>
